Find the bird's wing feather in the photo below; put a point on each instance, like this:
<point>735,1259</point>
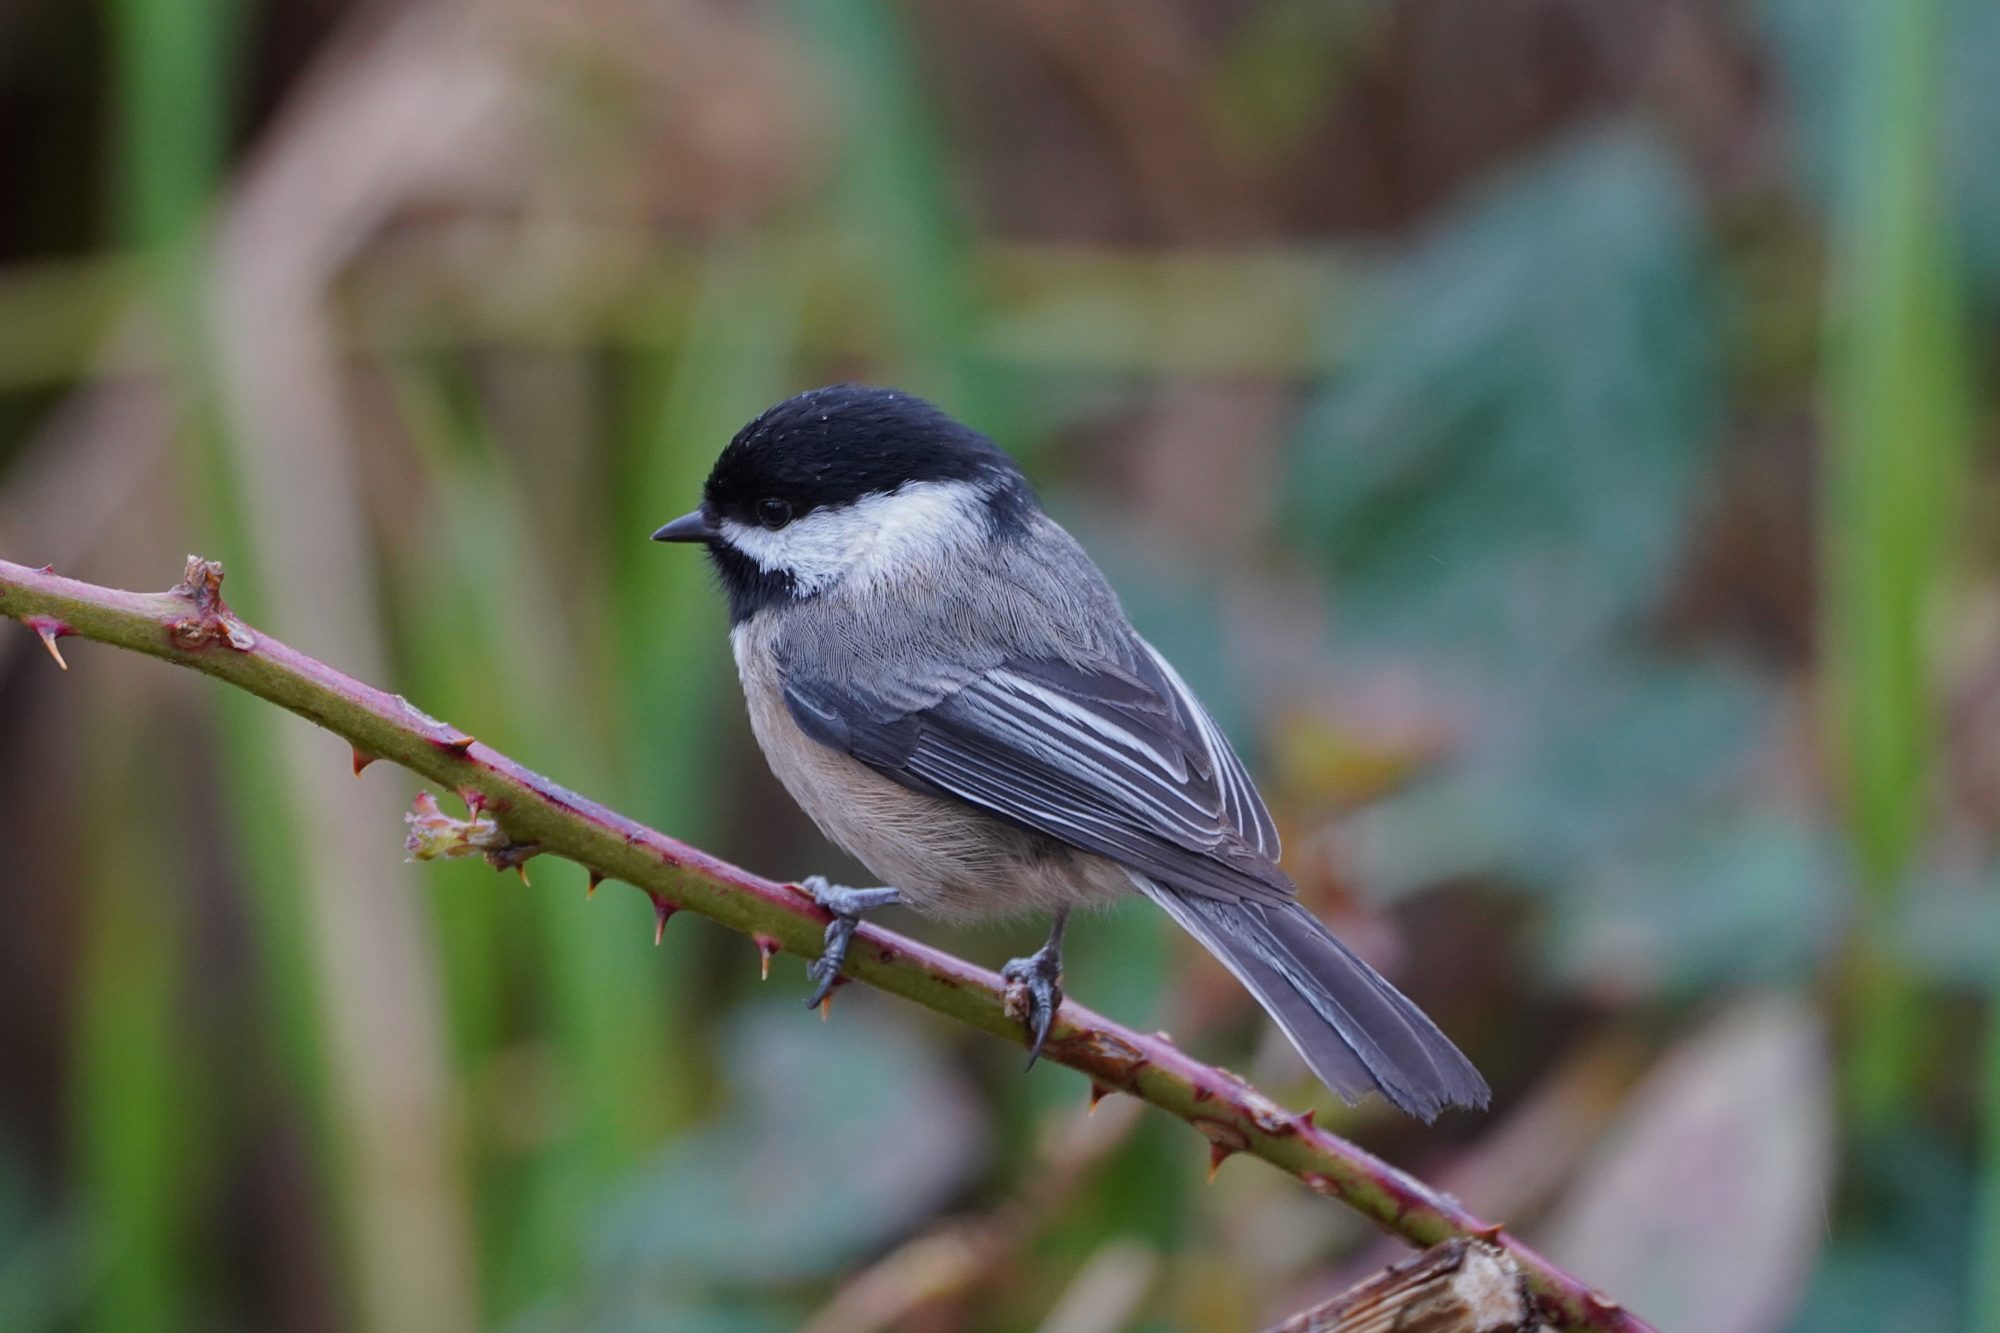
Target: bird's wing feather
<point>1245,809</point>
<point>1119,761</point>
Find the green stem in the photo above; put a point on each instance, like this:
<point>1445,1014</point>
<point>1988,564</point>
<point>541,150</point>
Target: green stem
<point>1889,495</point>
<point>190,626</point>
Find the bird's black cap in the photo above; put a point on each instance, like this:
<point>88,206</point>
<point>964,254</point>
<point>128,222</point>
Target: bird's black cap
<point>828,448</point>
<point>834,445</point>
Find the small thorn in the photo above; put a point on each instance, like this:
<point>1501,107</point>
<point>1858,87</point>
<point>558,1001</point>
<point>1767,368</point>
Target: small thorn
<point>361,759</point>
<point>1224,1140</point>
<point>458,745</point>
<point>826,1007</point>
<point>1307,1116</point>
<point>1490,1234</point>
<point>767,949</point>
<point>1098,1092</point>
<point>512,856</point>
<point>46,569</point>
<point>48,630</point>
<point>590,891</point>
<point>662,911</point>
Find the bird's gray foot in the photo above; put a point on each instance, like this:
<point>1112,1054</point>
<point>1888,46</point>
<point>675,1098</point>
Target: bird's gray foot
<point>846,906</point>
<point>1034,989</point>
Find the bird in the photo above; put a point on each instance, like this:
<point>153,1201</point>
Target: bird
<point>948,686</point>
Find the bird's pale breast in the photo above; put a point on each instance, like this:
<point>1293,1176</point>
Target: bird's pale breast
<point>948,858</point>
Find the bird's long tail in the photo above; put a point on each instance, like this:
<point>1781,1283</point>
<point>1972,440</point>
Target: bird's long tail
<point>1359,1033</point>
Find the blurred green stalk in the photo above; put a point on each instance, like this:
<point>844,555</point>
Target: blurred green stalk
<point>137,1086</point>
<point>1043,310</point>
<point>892,201</point>
<point>346,981</point>
<point>499,639</point>
<point>174,72</point>
<point>1897,416</point>
<point>500,633</point>
<point>138,1075</point>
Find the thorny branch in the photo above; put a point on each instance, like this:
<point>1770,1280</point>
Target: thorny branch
<point>517,812</point>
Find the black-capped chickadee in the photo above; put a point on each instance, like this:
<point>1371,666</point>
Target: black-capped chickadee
<point>944,681</point>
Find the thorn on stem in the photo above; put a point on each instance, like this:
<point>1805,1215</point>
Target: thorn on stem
<point>521,869</point>
<point>48,630</point>
<point>590,890</point>
<point>502,854</point>
<point>361,759</point>
<point>1307,1117</point>
<point>662,912</point>
<point>1224,1141</point>
<point>767,949</point>
<point>1490,1234</point>
<point>458,745</point>
<point>1098,1092</point>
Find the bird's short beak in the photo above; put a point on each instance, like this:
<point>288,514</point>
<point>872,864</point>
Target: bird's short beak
<point>693,527</point>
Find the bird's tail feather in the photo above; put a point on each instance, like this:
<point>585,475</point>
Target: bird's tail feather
<point>1359,1033</point>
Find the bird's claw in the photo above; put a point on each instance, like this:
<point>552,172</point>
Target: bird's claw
<point>1034,993</point>
<point>824,972</point>
<point>845,905</point>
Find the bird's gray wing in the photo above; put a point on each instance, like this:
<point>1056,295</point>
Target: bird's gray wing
<point>1244,808</point>
<point>1118,759</point>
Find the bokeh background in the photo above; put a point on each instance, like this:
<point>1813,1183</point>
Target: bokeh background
<point>1555,435</point>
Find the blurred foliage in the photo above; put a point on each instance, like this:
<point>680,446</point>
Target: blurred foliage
<point>790,1182</point>
<point>1503,467</point>
<point>1557,440</point>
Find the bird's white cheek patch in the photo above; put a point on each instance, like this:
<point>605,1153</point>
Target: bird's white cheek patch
<point>811,550</point>
<point>870,539</point>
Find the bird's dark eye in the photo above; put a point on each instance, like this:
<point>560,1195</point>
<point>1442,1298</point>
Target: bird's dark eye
<point>774,513</point>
